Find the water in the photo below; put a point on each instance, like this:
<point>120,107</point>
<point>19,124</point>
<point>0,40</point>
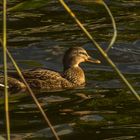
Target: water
<point>38,34</point>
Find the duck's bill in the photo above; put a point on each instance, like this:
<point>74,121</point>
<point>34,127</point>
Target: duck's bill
<point>96,61</point>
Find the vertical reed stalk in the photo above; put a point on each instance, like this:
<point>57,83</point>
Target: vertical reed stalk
<point>5,51</point>
<point>32,94</point>
<point>103,53</point>
<point>5,68</point>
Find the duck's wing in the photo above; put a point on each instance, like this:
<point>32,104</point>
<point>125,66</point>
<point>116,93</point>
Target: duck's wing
<point>46,79</point>
<point>42,74</point>
<point>38,73</point>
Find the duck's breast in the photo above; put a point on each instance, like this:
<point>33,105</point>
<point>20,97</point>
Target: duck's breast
<point>75,75</point>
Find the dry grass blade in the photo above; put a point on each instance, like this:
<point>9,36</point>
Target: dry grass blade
<point>114,27</point>
<point>4,44</point>
<point>5,51</point>
<point>113,39</point>
<point>103,53</point>
<point>32,94</point>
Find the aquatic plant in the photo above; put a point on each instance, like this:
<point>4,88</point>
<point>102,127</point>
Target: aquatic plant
<point>5,69</point>
<point>103,53</point>
<point>5,52</point>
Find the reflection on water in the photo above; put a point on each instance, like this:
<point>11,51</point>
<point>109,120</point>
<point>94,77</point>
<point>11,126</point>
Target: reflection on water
<point>38,34</point>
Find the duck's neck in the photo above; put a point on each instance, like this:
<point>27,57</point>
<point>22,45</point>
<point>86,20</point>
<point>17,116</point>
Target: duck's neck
<point>75,75</point>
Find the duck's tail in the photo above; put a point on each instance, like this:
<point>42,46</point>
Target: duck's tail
<point>14,85</point>
<point>2,85</point>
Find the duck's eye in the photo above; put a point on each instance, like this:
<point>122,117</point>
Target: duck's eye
<point>83,53</point>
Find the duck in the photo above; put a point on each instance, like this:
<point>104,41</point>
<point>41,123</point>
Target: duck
<point>73,75</point>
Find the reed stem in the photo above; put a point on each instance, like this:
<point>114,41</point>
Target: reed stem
<point>32,94</point>
<point>114,27</point>
<point>5,69</point>
<point>103,53</point>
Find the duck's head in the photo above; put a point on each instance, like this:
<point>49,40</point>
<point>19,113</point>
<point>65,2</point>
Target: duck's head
<point>76,55</point>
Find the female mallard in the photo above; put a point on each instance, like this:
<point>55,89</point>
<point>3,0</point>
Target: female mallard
<point>73,76</point>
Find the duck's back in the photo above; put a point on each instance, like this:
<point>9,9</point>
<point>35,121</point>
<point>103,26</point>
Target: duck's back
<point>45,79</point>
<point>41,74</point>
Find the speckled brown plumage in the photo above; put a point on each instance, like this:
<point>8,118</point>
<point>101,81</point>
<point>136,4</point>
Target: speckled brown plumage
<point>46,79</point>
<point>72,76</point>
